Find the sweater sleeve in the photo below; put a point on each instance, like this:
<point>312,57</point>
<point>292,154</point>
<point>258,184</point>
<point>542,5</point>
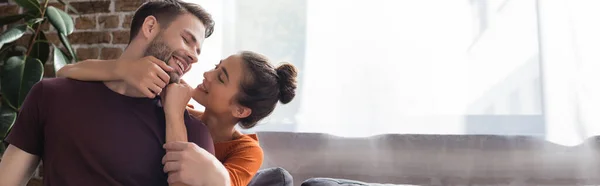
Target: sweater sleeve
<point>243,163</point>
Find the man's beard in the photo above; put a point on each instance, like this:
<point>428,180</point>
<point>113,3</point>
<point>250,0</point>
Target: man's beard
<point>161,51</point>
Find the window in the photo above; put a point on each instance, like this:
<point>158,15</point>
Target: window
<point>419,66</point>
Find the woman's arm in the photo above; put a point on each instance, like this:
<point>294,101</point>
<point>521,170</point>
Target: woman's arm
<point>175,99</point>
<point>90,70</point>
<point>148,74</point>
<point>243,164</point>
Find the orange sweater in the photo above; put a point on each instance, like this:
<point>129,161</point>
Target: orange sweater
<point>242,157</point>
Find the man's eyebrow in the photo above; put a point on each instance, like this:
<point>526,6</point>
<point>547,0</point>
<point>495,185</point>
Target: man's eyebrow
<point>191,35</point>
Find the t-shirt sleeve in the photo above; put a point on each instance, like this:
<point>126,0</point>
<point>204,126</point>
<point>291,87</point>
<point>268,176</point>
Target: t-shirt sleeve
<point>198,133</point>
<point>27,132</point>
<point>243,163</point>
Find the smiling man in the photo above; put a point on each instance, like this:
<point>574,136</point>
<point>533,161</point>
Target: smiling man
<point>108,133</point>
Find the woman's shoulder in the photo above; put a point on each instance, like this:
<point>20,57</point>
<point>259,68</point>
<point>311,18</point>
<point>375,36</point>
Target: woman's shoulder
<point>246,145</point>
<point>245,142</point>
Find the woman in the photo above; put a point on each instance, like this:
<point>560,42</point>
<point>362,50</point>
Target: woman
<point>243,88</point>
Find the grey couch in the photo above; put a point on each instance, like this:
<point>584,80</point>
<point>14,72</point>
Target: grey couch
<point>432,159</point>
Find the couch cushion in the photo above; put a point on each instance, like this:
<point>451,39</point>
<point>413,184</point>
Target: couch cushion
<point>338,182</point>
<point>433,159</point>
<point>272,177</point>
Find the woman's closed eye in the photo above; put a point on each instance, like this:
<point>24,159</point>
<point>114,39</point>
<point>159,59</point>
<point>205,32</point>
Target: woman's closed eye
<point>219,78</point>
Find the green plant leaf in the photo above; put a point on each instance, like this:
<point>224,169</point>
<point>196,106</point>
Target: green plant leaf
<point>32,14</point>
<point>34,21</point>
<point>60,20</point>
<point>13,68</point>
<point>69,6</point>
<point>2,147</point>
<point>33,73</point>
<point>11,19</point>
<point>65,41</point>
<point>60,59</point>
<point>8,116</point>
<point>41,48</point>
<point>32,5</point>
<point>20,73</point>
<point>12,34</point>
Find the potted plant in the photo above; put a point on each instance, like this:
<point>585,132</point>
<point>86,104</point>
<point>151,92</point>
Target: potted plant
<point>23,66</point>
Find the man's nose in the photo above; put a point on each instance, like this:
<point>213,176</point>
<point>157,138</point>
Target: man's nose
<point>191,58</point>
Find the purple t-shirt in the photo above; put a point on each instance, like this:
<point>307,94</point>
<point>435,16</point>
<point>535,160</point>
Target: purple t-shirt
<point>87,134</point>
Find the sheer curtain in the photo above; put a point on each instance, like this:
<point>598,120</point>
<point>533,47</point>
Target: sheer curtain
<point>371,67</point>
<point>571,66</point>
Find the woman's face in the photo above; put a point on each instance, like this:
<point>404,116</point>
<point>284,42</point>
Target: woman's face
<point>221,84</point>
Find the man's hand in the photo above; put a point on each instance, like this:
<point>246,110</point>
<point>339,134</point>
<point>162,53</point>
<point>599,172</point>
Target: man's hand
<point>189,164</point>
<point>148,74</point>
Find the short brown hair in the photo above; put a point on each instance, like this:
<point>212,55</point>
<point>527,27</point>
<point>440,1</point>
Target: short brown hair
<point>166,11</point>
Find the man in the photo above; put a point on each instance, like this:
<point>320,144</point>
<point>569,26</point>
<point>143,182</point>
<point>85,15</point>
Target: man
<point>108,133</point>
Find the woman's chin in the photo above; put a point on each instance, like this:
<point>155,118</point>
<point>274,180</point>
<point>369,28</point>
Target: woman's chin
<point>199,99</point>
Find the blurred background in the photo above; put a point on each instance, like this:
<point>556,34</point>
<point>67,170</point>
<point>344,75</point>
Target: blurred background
<point>369,67</point>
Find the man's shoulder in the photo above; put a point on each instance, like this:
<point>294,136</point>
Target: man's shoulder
<point>65,82</point>
<point>61,87</point>
<point>194,123</point>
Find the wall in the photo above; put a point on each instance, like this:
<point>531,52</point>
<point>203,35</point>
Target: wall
<point>101,27</point>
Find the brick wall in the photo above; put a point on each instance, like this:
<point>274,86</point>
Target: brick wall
<point>101,27</point>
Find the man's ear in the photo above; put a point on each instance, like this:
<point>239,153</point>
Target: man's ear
<point>240,112</point>
<point>150,28</point>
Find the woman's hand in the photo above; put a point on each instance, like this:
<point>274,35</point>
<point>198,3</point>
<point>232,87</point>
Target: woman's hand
<point>187,163</point>
<point>148,74</point>
<point>176,98</point>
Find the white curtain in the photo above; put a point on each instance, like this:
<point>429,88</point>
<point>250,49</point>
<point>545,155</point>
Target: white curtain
<point>370,67</point>
<point>571,65</point>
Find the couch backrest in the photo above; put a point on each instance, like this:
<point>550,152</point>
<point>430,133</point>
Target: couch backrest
<point>432,159</point>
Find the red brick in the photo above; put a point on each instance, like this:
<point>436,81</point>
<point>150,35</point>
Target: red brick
<point>111,53</point>
<point>85,22</point>
<point>127,5</point>
<point>87,53</point>
<point>48,72</point>
<point>120,37</point>
<point>89,37</point>
<point>127,21</point>
<point>53,38</point>
<point>57,5</point>
<point>46,26</point>
<point>6,10</point>
<point>111,21</point>
<point>89,7</point>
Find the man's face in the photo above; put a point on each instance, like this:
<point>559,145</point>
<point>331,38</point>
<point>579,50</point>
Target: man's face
<point>179,44</point>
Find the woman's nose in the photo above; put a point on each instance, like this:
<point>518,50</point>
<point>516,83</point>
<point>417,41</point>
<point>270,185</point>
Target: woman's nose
<point>206,75</point>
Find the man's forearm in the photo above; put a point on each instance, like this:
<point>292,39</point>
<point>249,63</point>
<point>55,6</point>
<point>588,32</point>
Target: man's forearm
<point>90,70</point>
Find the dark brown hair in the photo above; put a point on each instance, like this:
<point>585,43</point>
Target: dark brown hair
<point>166,11</point>
<point>263,85</point>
